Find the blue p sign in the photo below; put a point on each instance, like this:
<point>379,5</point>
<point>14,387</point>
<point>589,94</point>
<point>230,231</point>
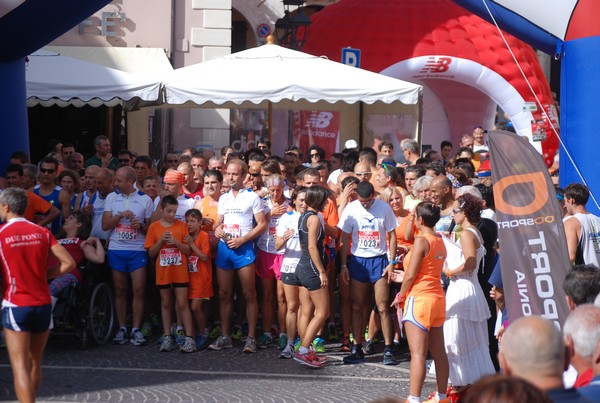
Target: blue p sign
<point>351,57</point>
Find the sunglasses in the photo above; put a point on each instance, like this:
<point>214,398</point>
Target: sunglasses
<point>367,204</point>
<point>456,210</point>
<point>255,174</point>
<point>362,173</point>
<point>127,160</point>
<point>314,155</point>
<point>172,160</point>
<point>47,171</point>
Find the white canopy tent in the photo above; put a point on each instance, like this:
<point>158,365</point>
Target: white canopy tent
<point>273,76</point>
<point>53,79</point>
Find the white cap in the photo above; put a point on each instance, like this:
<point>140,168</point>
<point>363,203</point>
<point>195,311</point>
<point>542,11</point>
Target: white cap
<point>351,144</point>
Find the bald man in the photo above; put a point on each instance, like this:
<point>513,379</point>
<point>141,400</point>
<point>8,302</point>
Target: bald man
<point>533,349</point>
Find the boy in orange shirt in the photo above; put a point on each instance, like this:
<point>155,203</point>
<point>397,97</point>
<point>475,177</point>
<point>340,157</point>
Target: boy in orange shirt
<point>165,241</point>
<point>199,267</point>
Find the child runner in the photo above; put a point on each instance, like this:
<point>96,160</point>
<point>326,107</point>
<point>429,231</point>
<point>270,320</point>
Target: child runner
<point>164,241</point>
<point>199,268</point>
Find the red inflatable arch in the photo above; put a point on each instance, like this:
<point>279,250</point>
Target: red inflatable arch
<point>461,60</point>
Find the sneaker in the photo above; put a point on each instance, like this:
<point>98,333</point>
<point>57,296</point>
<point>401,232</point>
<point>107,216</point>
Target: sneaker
<point>237,333</point>
<point>180,337</point>
<point>319,344</point>
<point>188,346</point>
<point>369,347</point>
<point>202,342</point>
<point>332,333</point>
<point>146,329</point>
<point>388,357</point>
<point>309,359</point>
<point>263,341</point>
<point>215,332</point>
<point>287,352</point>
<point>137,338</point>
<point>356,357</point>
<point>297,344</point>
<point>283,341</point>
<point>346,348</point>
<point>120,337</point>
<point>221,343</point>
<point>168,344</point>
<point>250,346</point>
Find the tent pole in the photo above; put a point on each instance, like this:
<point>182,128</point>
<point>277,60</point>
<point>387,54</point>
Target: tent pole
<point>361,110</point>
<point>270,122</point>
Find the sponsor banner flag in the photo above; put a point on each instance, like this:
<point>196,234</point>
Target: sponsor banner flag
<point>317,127</point>
<point>533,248</point>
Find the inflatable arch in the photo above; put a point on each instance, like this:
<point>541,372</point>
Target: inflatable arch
<point>461,60</point>
<point>569,30</point>
<point>490,84</point>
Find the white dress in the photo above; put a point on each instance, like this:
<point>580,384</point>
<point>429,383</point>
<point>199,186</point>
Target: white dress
<point>465,329</point>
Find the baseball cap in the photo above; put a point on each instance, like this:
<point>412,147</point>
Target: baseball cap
<point>351,144</point>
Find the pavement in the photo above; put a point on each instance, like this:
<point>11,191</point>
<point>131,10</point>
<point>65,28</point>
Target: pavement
<point>127,373</point>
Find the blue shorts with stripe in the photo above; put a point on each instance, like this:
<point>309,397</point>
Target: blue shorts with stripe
<point>35,319</point>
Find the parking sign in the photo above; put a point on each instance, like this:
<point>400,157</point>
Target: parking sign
<point>351,56</point>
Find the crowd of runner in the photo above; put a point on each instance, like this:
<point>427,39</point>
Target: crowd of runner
<point>294,251</point>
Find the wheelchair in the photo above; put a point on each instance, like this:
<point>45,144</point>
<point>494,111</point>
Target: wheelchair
<point>87,309</point>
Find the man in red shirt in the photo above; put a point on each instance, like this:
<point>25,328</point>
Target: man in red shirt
<point>26,308</point>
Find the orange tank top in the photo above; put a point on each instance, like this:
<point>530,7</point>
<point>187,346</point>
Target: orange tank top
<point>427,281</point>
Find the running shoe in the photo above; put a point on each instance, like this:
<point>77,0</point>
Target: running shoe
<point>137,338</point>
<point>356,356</point>
<point>120,337</point>
<point>369,347</point>
<point>202,342</point>
<point>319,344</point>
<point>215,332</point>
<point>168,344</point>
<point>180,337</point>
<point>237,333</point>
<point>287,352</point>
<point>332,332</point>
<point>388,357</point>
<point>221,343</point>
<point>283,341</point>
<point>309,359</point>
<point>264,340</point>
<point>146,329</point>
<point>346,348</point>
<point>297,344</point>
<point>188,346</point>
<point>250,346</point>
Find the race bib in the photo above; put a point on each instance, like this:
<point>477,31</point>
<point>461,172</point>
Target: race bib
<point>193,264</point>
<point>125,232</point>
<point>368,239</point>
<point>170,257</point>
<point>232,230</point>
<point>68,241</point>
<point>289,267</point>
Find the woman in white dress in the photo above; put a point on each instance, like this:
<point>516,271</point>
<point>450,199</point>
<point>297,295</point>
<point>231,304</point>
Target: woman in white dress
<point>465,329</point>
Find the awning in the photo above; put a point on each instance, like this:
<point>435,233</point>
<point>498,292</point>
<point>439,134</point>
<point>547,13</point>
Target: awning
<point>145,62</point>
<point>54,79</point>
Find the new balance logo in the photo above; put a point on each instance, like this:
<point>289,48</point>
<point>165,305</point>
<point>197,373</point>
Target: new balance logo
<point>320,120</point>
<point>437,65</point>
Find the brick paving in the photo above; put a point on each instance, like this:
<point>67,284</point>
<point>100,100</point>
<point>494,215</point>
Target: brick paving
<point>143,374</point>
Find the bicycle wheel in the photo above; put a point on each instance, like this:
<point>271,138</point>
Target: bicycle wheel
<point>101,313</point>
